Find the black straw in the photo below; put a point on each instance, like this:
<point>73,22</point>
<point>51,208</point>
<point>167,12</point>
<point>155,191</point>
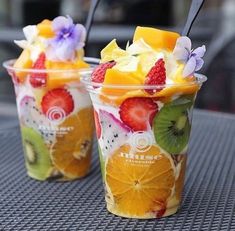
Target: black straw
<point>195,7</point>
<point>90,17</point>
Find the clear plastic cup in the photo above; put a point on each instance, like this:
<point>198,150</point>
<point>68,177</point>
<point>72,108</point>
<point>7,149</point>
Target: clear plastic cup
<point>143,135</point>
<point>56,121</point>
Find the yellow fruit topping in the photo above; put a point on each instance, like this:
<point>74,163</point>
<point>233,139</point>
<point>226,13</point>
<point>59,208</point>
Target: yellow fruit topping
<point>45,29</point>
<point>110,51</point>
<point>60,78</point>
<point>71,153</point>
<point>157,39</point>
<point>114,77</point>
<point>23,62</point>
<point>138,185</point>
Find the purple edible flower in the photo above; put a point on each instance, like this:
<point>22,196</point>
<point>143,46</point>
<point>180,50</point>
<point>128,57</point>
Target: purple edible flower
<point>68,39</point>
<point>192,58</point>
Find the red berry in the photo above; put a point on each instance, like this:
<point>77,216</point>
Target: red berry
<point>162,209</point>
<point>39,79</point>
<point>156,76</point>
<point>99,72</point>
<point>138,113</point>
<point>57,103</point>
<point>97,124</point>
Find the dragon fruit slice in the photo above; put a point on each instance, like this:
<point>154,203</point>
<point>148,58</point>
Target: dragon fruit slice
<point>31,116</point>
<point>113,133</point>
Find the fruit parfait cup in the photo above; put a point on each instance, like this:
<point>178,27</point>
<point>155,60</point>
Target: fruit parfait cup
<point>143,99</point>
<point>54,108</point>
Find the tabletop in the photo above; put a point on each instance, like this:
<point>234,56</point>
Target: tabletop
<point>208,198</point>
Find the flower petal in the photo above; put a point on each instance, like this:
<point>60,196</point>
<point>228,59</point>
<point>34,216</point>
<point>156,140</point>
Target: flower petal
<point>190,66</point>
<point>181,54</point>
<point>200,51</point>
<point>61,22</point>
<point>65,52</point>
<point>199,64</point>
<point>184,42</point>
<point>80,33</point>
<point>62,51</point>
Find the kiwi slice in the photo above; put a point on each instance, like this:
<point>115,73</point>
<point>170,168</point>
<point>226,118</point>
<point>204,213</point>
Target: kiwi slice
<point>102,162</point>
<point>37,157</point>
<point>172,125</point>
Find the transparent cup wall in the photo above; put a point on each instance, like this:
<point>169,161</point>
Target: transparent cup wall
<point>143,170</point>
<point>56,120</point>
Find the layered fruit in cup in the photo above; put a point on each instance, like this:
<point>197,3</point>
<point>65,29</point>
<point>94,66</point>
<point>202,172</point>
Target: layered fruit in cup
<point>54,108</point>
<point>143,98</point>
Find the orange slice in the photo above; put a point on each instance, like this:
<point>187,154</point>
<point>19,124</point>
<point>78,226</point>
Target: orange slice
<point>158,39</point>
<point>58,79</point>
<point>71,153</point>
<point>174,201</point>
<point>141,183</point>
<point>24,62</point>
<point>45,29</point>
<point>179,184</point>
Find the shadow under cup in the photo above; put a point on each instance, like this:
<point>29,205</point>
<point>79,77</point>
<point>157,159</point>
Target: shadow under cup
<point>56,120</point>
<point>143,135</point>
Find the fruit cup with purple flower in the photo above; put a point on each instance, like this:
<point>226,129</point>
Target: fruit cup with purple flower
<point>143,98</point>
<point>55,111</point>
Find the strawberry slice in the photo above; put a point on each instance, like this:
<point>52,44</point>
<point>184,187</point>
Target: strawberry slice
<point>39,79</point>
<point>156,76</point>
<point>97,124</point>
<point>57,103</point>
<point>98,74</point>
<point>138,113</point>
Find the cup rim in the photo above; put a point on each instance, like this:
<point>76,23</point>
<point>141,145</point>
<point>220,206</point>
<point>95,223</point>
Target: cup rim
<point>86,79</point>
<point>8,65</point>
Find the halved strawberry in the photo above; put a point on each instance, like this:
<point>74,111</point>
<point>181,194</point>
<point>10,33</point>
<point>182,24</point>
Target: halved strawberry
<point>98,74</point>
<point>57,103</point>
<point>138,113</point>
<point>39,79</point>
<point>156,76</point>
<point>97,124</point>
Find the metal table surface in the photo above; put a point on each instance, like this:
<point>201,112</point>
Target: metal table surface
<point>208,200</point>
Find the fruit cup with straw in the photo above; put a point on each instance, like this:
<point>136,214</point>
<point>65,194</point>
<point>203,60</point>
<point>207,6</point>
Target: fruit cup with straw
<point>143,98</point>
<point>55,111</point>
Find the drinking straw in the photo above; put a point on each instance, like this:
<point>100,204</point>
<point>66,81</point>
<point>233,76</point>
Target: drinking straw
<point>90,17</point>
<point>195,7</point>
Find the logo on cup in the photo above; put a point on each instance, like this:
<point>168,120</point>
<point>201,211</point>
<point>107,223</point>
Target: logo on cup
<point>141,141</point>
<point>56,115</point>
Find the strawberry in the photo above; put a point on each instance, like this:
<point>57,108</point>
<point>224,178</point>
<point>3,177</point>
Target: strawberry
<point>156,76</point>
<point>57,103</point>
<point>39,79</point>
<point>98,74</point>
<point>138,113</point>
<point>97,124</point>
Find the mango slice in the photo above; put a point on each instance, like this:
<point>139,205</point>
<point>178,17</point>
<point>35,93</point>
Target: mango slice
<point>58,79</point>
<point>116,77</point>
<point>23,62</point>
<point>158,39</point>
<point>45,29</point>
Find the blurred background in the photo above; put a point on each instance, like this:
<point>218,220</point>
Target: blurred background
<point>117,19</point>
